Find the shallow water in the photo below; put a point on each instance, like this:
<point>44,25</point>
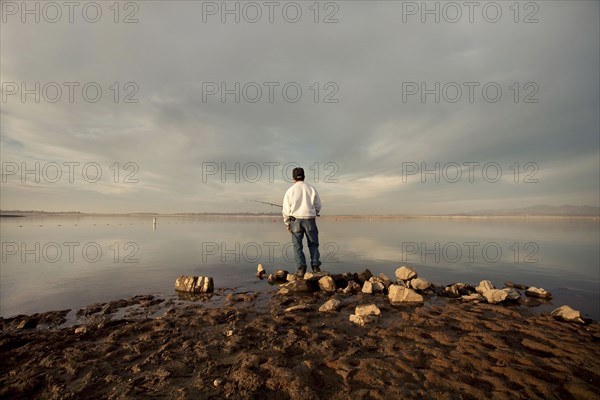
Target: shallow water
<point>51,263</point>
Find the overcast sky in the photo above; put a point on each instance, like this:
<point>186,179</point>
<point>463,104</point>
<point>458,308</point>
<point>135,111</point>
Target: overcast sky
<point>362,126</point>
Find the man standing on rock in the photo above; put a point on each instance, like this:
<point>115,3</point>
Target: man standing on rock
<point>301,204</point>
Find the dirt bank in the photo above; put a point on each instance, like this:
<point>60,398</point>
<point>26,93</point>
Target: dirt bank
<point>245,346</point>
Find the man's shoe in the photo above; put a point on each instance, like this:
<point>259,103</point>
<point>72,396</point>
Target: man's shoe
<point>301,271</point>
<point>316,268</point>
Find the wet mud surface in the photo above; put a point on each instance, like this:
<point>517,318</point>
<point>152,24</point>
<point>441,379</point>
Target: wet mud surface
<point>246,346</point>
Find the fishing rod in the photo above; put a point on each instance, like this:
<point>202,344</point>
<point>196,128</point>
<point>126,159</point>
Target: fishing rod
<point>271,204</point>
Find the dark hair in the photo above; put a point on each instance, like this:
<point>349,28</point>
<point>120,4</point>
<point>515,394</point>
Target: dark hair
<point>298,174</point>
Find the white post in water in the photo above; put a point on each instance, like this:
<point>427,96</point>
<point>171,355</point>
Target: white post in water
<point>154,224</point>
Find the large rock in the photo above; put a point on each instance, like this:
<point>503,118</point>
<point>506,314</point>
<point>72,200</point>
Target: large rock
<point>365,314</point>
<point>513,294</point>
<point>484,286</point>
<point>327,284</point>
<point>402,294</point>
<point>495,296</point>
<point>420,284</point>
<point>195,284</point>
<point>330,305</point>
<point>370,309</point>
<point>538,292</point>
<point>405,273</point>
<point>566,313</point>
<point>299,285</point>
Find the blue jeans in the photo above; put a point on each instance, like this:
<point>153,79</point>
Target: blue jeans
<point>298,228</point>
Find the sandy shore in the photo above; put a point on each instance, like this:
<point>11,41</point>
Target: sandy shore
<point>246,346</point>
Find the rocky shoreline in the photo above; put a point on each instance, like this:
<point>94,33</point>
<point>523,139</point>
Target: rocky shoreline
<point>288,344</point>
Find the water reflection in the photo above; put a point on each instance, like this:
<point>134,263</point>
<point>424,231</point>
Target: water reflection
<point>92,259</point>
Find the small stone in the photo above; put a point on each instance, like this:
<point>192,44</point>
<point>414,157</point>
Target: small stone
<point>530,302</point>
<point>205,284</point>
<point>402,294</point>
<point>475,297</point>
<point>301,307</point>
<point>484,286</point>
<point>280,276</point>
<point>367,287</point>
<point>362,320</point>
<point>327,284</point>
<point>405,273</point>
<point>217,382</point>
<point>538,292</point>
<point>284,291</point>
<point>457,290</point>
<point>352,287</point>
<point>377,287</point>
<point>291,277</point>
<point>495,296</point>
<point>370,309</point>
<point>512,294</point>
<point>271,279</point>
<point>229,333</point>
<point>516,285</point>
<point>260,271</point>
<point>330,305</point>
<point>420,284</point>
<point>384,277</point>
<point>566,313</point>
<point>81,329</point>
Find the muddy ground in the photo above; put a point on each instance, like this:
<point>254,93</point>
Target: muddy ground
<point>245,346</point>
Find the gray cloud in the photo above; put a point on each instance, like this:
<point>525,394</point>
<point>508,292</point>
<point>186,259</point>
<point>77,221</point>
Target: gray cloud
<point>369,133</point>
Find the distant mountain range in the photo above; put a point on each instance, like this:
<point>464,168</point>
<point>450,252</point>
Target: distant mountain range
<point>539,210</point>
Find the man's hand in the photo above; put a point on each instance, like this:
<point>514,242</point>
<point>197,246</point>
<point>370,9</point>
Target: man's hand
<point>288,228</point>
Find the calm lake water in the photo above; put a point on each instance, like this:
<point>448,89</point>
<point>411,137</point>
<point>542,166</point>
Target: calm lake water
<point>51,263</point>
